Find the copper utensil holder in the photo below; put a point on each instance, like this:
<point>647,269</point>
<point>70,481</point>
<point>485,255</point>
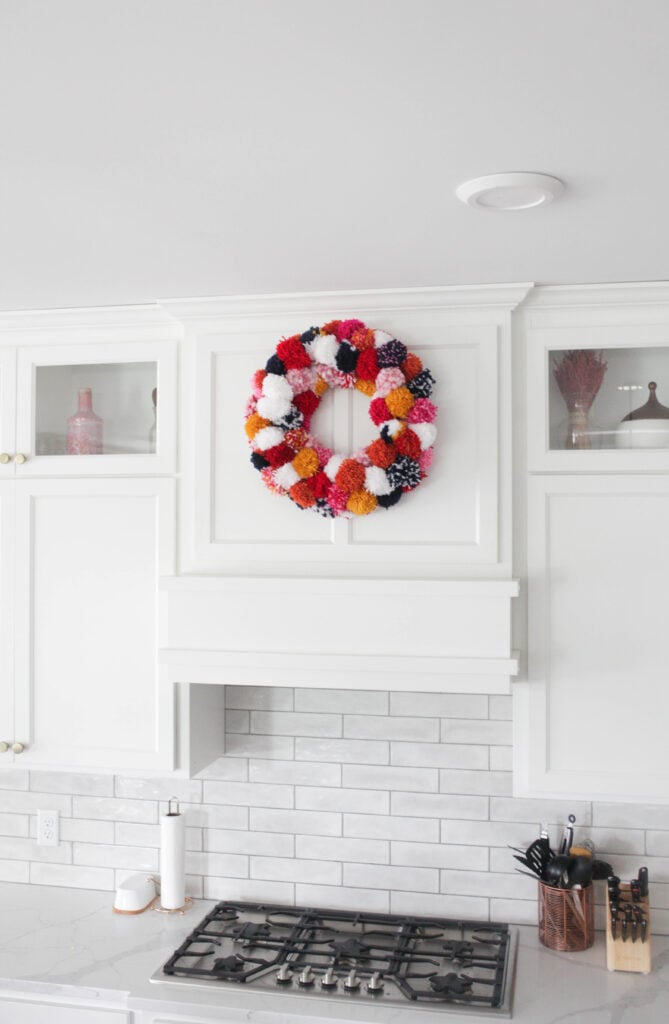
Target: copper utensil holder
<point>562,925</point>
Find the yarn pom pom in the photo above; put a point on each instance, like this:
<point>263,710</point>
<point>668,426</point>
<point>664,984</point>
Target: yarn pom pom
<point>379,411</point>
<point>268,437</point>
<point>393,353</point>
<point>424,411</point>
<point>411,366</point>
<point>409,443</point>
<point>421,385</point>
<point>337,500</point>
<point>285,477</point>
<point>296,439</point>
<point>427,432</point>
<point>388,380</point>
<point>362,338</point>
<point>291,420</point>
<point>278,456</point>
<point>306,463</point>
<point>376,481</point>
<point>259,461</point>
<point>320,485</point>
<point>404,473</point>
<point>361,503</point>
<point>391,429</point>
<point>307,403</point>
<point>368,365</point>
<point>275,386</point>
<point>381,453</point>
<point>332,467</point>
<point>324,349</point>
<point>267,477</point>
<point>302,494</point>
<point>425,460</point>
<point>302,380</point>
<point>345,328</point>
<point>335,378</point>
<point>256,383</point>
<point>399,402</point>
<point>293,354</point>
<point>308,336</point>
<point>366,387</point>
<point>253,424</point>
<point>274,365</point>
<point>324,454</point>
<point>350,476</point>
<point>346,358</point>
<point>387,500</point>
<point>274,409</point>
<point>330,327</point>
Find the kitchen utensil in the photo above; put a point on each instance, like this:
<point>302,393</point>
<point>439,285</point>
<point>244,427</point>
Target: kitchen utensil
<point>643,882</point>
<point>567,835</point>
<point>556,872</point>
<point>579,871</point>
<point>601,869</point>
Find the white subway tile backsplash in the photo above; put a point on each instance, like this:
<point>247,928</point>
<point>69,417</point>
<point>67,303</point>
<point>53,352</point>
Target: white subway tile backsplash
<point>343,751</point>
<point>440,705</point>
<point>248,794</point>
<point>314,798</point>
<point>341,798</point>
<point>295,773</point>
<point>412,780</point>
<point>295,723</point>
<point>376,727</point>
<point>339,702</point>
<point>367,851</point>
<point>364,826</point>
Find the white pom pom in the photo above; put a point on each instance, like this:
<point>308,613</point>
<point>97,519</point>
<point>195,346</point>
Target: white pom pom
<point>376,481</point>
<point>267,438</point>
<point>381,337</point>
<point>273,409</point>
<point>324,349</point>
<point>427,433</point>
<point>275,386</point>
<point>285,476</point>
<point>333,465</point>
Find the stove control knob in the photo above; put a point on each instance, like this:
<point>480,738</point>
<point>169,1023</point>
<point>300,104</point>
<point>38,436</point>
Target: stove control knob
<point>375,983</point>
<point>328,980</point>
<point>352,981</point>
<point>307,977</point>
<point>284,975</point>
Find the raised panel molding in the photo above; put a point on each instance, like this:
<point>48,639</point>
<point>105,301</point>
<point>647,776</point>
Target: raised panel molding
<point>456,524</point>
<point>401,635</point>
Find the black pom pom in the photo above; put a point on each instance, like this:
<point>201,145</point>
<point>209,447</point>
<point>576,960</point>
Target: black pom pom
<point>421,385</point>
<point>275,365</point>
<point>259,461</point>
<point>323,509</point>
<point>309,335</point>
<point>404,472</point>
<point>386,500</point>
<point>291,420</point>
<point>346,358</point>
<point>393,353</point>
<point>385,434</point>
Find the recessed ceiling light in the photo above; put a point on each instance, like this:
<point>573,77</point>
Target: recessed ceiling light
<point>515,191</point>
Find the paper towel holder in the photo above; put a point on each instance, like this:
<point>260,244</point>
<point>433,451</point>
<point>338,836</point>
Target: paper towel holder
<point>188,902</point>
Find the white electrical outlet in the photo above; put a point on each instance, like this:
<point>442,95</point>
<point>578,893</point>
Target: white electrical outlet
<point>47,828</point>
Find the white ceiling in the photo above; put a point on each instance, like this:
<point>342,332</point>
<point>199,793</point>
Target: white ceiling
<point>162,148</point>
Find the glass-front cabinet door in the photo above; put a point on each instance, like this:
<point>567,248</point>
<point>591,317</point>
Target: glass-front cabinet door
<point>7,410</point>
<point>95,409</point>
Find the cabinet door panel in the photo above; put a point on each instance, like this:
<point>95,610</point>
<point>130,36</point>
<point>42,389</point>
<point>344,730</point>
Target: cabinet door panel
<point>7,408</point>
<point>90,554</point>
<point>594,711</point>
<point>15,1011</point>
<point>6,618</point>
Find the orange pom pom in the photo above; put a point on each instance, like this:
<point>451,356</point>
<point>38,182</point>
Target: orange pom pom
<point>361,503</point>
<point>408,443</point>
<point>381,454</point>
<point>362,338</point>
<point>254,423</point>
<point>302,494</point>
<point>330,327</point>
<point>367,387</point>
<point>321,386</point>
<point>411,366</point>
<point>350,476</point>
<point>306,462</point>
<point>399,402</point>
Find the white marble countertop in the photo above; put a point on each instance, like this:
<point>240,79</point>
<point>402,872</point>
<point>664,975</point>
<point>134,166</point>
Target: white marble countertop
<point>66,944</point>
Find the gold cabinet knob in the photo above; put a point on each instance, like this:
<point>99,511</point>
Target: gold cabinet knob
<point>4,747</point>
<point>19,458</point>
<point>18,748</point>
<point>5,458</point>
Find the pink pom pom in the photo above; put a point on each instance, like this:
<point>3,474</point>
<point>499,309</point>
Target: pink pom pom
<point>335,378</point>
<point>423,411</point>
<point>324,454</point>
<point>345,328</point>
<point>250,407</point>
<point>362,457</point>
<point>389,379</point>
<point>301,380</point>
<point>425,460</point>
<point>337,500</point>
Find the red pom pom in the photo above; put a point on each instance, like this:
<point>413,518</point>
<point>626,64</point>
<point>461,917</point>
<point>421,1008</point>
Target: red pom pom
<point>350,476</point>
<point>320,485</point>
<point>345,328</point>
<point>302,494</point>
<point>278,455</point>
<point>293,354</point>
<point>408,443</point>
<point>307,402</point>
<point>411,366</point>
<point>379,411</point>
<point>381,454</point>
<point>258,378</point>
<point>368,365</point>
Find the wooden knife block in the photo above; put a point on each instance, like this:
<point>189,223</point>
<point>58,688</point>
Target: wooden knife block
<point>628,955</point>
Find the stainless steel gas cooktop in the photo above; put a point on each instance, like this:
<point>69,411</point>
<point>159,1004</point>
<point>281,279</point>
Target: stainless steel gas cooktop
<point>434,963</point>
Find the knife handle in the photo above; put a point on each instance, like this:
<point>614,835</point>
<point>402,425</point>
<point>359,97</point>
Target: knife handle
<point>643,882</point>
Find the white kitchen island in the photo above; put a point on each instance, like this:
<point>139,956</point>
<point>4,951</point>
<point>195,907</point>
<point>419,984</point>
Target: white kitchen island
<point>65,958</point>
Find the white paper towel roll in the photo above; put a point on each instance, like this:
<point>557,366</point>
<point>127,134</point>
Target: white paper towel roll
<point>172,858</point>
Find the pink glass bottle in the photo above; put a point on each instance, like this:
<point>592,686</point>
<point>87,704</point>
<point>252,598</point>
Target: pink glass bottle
<point>84,429</point>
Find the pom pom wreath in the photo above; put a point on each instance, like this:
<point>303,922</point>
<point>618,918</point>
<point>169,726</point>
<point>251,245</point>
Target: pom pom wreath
<point>286,394</point>
<point>306,462</point>
<point>404,473</point>
<point>350,476</point>
<point>361,503</point>
<point>423,411</point>
<point>293,354</point>
<point>255,423</point>
<point>379,411</point>
<point>389,379</point>
<point>376,481</point>
<point>393,353</point>
<point>399,402</point>
<point>268,437</point>
<point>421,385</point>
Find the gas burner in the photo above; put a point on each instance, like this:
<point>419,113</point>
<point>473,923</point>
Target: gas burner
<point>451,984</point>
<point>349,948</point>
<point>226,914</point>
<point>458,950</point>
<point>248,933</point>
<point>225,966</point>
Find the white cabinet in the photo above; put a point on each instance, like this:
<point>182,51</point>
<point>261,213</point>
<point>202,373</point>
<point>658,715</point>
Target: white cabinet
<point>19,1011</point>
<point>590,716</point>
<point>84,539</point>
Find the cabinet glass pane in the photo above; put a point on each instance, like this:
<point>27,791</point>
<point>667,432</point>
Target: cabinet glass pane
<point>121,395</point>
<point>598,388</point>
